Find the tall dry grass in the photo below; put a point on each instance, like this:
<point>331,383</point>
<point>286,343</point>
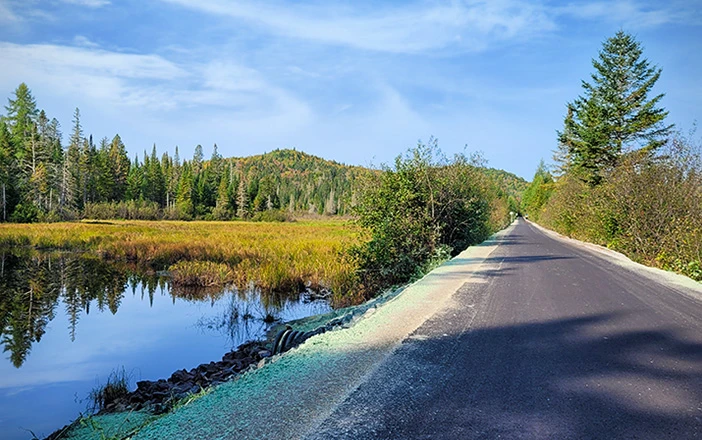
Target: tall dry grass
<point>271,256</point>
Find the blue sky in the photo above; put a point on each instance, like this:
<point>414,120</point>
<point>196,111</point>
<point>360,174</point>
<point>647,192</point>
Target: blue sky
<point>354,81</point>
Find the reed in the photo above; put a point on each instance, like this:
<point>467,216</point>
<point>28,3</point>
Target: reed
<point>271,256</point>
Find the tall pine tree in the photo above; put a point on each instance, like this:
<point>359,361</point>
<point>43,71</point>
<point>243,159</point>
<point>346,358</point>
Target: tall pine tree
<point>614,115</point>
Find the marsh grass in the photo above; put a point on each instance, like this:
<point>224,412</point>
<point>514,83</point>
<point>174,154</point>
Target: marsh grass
<point>277,257</point>
<point>117,386</point>
<point>200,273</point>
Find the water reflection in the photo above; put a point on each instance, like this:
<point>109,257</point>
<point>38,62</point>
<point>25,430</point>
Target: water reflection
<point>35,287</point>
<point>245,317</point>
<point>67,321</point>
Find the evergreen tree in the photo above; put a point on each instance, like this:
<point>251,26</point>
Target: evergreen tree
<point>72,185</point>
<point>7,193</point>
<point>153,183</point>
<point>216,163</point>
<point>614,115</point>
<point>184,198</point>
<point>134,179</point>
<point>21,117</point>
<point>88,176</point>
<point>50,139</point>
<point>173,177</point>
<point>198,157</point>
<point>119,162</point>
<point>222,209</point>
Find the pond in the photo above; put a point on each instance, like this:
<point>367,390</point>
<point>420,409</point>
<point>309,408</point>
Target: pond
<point>68,321</point>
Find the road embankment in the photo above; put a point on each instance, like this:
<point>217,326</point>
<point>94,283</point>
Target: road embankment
<point>293,393</point>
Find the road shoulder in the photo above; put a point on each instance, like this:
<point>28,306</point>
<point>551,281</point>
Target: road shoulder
<point>679,282</point>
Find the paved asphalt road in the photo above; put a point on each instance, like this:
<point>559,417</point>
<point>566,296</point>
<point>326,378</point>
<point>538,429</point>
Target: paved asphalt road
<point>555,342</point>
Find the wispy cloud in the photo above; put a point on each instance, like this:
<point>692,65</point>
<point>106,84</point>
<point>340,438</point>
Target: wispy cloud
<point>429,26</point>
<point>88,3</point>
<point>148,83</point>
<point>48,57</point>
<point>6,13</point>
<point>80,40</point>
<point>408,28</point>
<point>632,14</point>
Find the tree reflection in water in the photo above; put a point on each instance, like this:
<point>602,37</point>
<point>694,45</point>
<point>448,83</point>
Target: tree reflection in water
<point>34,283</point>
<point>35,286</point>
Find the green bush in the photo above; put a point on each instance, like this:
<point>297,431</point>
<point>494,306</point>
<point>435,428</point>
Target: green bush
<point>129,210</point>
<point>272,216</point>
<point>646,207</point>
<point>25,213</point>
<point>425,207</point>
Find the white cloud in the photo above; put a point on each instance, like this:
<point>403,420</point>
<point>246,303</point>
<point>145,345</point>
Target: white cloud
<point>142,87</point>
<point>430,26</point>
<point>80,40</point>
<point>88,3</point>
<point>60,60</point>
<point>404,29</point>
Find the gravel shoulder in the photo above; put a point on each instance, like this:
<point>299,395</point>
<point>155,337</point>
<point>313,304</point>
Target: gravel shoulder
<point>681,283</point>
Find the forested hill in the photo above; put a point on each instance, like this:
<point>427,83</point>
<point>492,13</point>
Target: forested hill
<point>507,183</point>
<point>296,181</point>
<point>44,179</point>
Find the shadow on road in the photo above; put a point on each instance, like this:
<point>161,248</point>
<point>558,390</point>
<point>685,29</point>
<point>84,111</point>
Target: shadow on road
<point>569,378</point>
<point>527,258</point>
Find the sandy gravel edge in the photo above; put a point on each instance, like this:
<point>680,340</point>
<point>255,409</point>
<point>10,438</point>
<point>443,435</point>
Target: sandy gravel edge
<point>683,284</point>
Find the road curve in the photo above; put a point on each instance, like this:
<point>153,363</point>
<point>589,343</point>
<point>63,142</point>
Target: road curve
<point>555,341</point>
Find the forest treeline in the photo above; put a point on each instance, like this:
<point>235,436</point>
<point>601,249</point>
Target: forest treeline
<point>43,180</point>
<point>625,179</point>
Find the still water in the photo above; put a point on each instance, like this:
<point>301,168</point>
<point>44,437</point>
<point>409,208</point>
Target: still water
<point>67,322</point>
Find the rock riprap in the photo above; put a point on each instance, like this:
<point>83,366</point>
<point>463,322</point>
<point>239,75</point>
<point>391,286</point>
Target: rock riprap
<point>161,394</point>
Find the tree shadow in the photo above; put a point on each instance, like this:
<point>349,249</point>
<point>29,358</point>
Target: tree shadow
<point>527,258</point>
<point>576,378</point>
<point>514,239</point>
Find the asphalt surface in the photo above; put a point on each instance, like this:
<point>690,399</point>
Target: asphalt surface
<point>553,341</point>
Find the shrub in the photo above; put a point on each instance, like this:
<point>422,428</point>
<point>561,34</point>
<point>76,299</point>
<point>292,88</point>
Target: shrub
<point>424,206</point>
<point>25,213</point>
<point>647,208</point>
<point>129,210</point>
<point>272,216</point>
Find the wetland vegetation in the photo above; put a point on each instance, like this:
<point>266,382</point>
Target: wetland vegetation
<point>269,256</point>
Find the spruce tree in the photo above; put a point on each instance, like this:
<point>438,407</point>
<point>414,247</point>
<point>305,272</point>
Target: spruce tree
<point>198,158</point>
<point>120,164</point>
<point>222,210</point>
<point>184,198</point>
<point>21,116</point>
<point>614,115</point>
<point>7,193</point>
